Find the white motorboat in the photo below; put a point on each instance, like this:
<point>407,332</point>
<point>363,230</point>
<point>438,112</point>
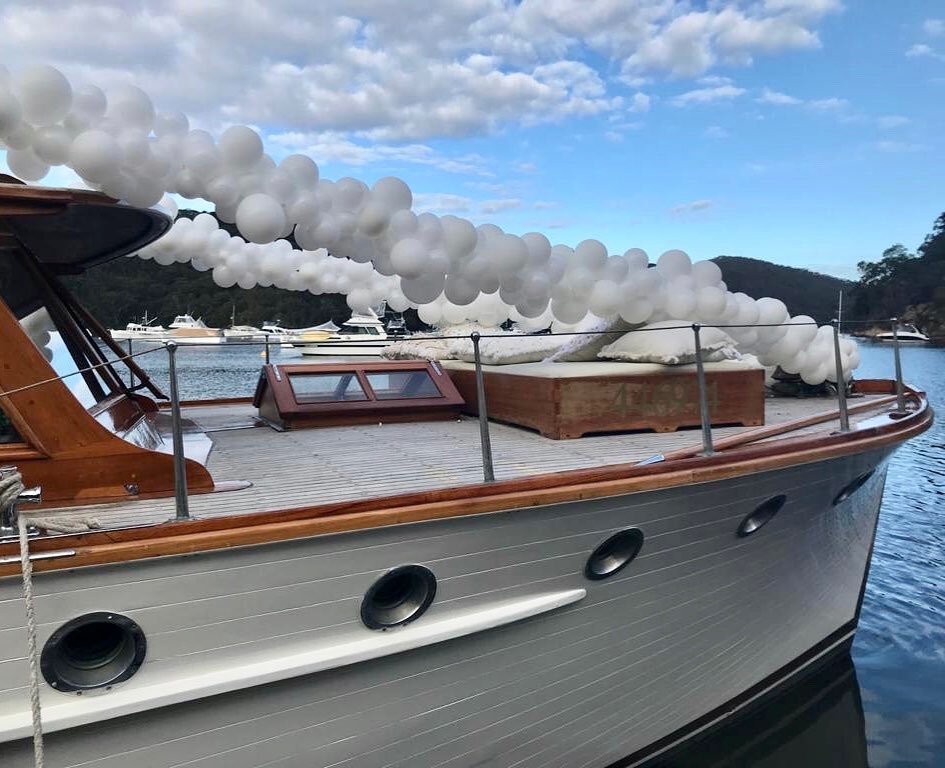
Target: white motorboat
<point>145,330</point>
<point>359,336</point>
<point>192,592</point>
<point>906,333</point>
<point>186,330</point>
<point>244,333</point>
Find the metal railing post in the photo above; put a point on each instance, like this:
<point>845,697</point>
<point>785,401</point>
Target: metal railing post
<point>707,448</point>
<point>267,347</point>
<point>841,383</point>
<point>900,388</point>
<point>131,373</point>
<point>180,469</point>
<point>488,473</point>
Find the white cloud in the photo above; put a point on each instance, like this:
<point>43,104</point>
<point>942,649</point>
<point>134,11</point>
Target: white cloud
<point>330,147</point>
<point>541,205</point>
<point>497,206</point>
<point>694,206</point>
<point>934,27</point>
<point>887,122</point>
<point>829,105</point>
<point>897,147</point>
<point>716,132</point>
<point>921,50</point>
<point>708,95</point>
<point>775,97</point>
<point>614,136</point>
<point>397,72</point>
<point>639,103</point>
<point>435,202</point>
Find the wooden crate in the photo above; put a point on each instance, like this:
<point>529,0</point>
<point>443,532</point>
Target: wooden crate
<point>570,406</point>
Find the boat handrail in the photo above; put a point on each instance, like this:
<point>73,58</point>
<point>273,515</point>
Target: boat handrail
<point>485,443</point>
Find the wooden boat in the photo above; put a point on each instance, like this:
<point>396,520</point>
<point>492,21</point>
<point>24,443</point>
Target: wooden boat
<point>603,599</point>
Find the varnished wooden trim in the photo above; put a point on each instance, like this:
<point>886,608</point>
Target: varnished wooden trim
<point>206,535</point>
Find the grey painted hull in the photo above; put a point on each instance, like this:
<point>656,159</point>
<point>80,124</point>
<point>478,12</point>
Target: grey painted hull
<point>702,618</point>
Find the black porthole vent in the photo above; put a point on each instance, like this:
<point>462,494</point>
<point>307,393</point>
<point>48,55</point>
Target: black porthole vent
<point>761,516</point>
<point>96,650</point>
<point>614,554</point>
<point>398,597</point>
<point>852,487</point>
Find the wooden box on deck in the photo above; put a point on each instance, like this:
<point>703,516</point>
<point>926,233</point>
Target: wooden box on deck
<point>618,399</point>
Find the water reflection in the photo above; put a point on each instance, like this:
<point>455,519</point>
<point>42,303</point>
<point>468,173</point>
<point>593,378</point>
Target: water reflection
<point>818,722</point>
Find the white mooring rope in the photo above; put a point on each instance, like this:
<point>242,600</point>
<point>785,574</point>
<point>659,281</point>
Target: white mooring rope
<point>11,487</point>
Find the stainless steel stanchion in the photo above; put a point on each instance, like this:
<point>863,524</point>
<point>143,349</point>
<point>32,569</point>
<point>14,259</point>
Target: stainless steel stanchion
<point>841,383</point>
<point>131,373</point>
<point>488,473</point>
<point>180,468</point>
<point>900,388</point>
<point>267,347</point>
<point>707,448</point>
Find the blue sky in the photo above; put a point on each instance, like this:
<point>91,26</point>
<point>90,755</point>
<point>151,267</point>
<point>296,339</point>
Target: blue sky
<point>805,132</point>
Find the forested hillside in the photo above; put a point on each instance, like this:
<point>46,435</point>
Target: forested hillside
<point>804,292</point>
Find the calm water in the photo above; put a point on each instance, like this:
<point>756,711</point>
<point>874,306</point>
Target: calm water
<point>887,708</point>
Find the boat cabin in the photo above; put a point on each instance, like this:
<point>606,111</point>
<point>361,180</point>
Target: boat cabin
<point>90,435</point>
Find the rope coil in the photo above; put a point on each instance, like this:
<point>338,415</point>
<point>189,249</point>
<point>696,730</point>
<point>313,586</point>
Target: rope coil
<point>11,487</point>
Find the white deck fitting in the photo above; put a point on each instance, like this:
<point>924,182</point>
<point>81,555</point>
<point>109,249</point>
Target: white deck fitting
<point>320,466</point>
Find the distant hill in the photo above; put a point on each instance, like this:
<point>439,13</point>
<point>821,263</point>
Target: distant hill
<point>121,291</point>
<point>804,292</point>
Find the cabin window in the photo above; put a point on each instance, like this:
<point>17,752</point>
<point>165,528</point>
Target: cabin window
<point>8,433</point>
<point>402,384</point>
<point>326,387</point>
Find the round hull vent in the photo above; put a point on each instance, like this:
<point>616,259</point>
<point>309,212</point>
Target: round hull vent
<point>93,651</point>
<point>398,597</point>
<point>614,554</point>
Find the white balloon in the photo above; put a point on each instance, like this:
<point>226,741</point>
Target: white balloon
<point>44,94</point>
<point>409,257</point>
<point>539,248</point>
<point>710,302</point>
<point>637,259</point>
<point>604,298</point>
<point>673,263</point>
<point>424,289</point>
<point>681,305</point>
<point>10,111</point>
<point>171,124</point>
<point>51,144</point>
<point>301,168</point>
<point>241,147</point>
<point>260,218</point>
<point>25,164</point>
<point>89,102</point>
<point>95,155</point>
<point>706,273</point>
<point>130,107</point>
<point>591,254</point>
<point>393,193</point>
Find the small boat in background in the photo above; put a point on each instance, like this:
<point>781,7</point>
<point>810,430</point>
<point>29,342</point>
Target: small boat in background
<point>145,330</point>
<point>906,333</point>
<point>242,333</point>
<point>186,330</point>
<point>359,336</point>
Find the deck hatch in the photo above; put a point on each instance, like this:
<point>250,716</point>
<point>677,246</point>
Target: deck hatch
<point>337,394</point>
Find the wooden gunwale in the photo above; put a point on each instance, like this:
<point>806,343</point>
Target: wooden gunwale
<point>194,536</point>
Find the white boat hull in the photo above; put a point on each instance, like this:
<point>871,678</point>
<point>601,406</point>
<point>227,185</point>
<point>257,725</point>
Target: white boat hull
<point>256,655</point>
<point>344,348</point>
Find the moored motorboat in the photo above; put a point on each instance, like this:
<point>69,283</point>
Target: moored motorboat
<point>600,599</point>
<point>905,333</point>
<point>143,331</point>
<point>362,335</point>
<point>187,330</point>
